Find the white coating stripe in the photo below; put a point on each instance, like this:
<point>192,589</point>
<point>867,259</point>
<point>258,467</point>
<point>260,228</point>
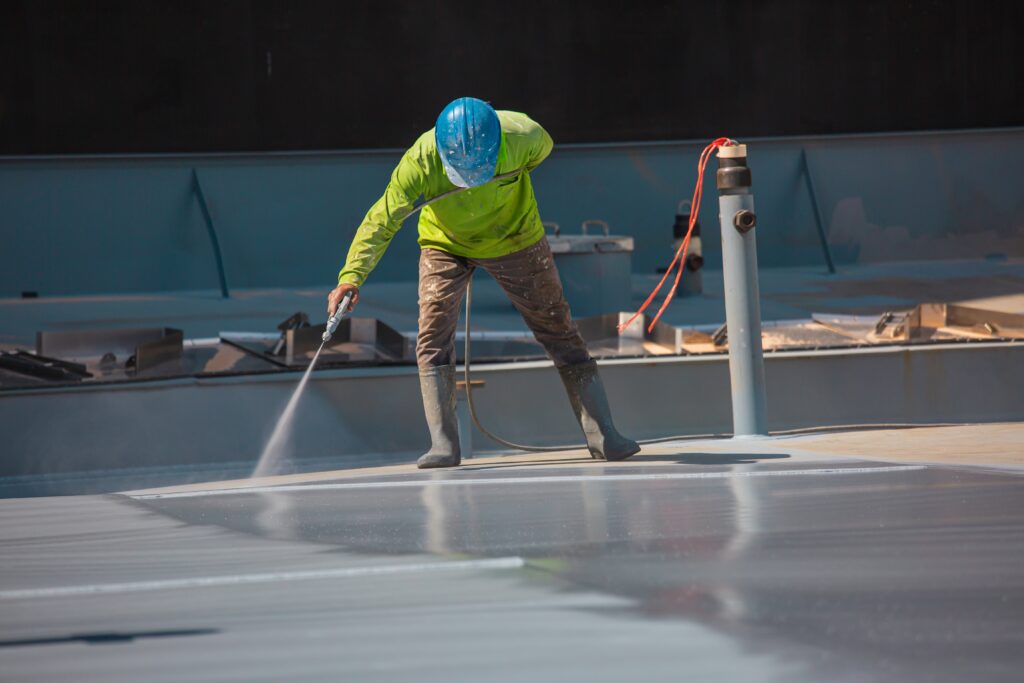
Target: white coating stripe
<point>505,481</point>
<point>242,579</point>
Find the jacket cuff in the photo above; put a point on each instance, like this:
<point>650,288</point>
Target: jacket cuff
<point>349,278</point>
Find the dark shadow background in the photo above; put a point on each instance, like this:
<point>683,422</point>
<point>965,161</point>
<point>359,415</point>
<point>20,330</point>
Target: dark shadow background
<point>234,75</point>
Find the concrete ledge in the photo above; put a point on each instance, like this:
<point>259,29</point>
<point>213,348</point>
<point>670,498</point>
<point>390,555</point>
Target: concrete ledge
<point>364,418</point>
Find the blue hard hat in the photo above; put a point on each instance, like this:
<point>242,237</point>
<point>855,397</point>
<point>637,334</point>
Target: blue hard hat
<point>468,137</point>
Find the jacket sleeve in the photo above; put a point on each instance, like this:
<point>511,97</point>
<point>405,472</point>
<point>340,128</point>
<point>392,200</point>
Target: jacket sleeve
<point>383,220</point>
<point>540,147</point>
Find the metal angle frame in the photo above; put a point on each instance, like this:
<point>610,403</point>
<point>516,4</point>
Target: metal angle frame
<point>211,230</point>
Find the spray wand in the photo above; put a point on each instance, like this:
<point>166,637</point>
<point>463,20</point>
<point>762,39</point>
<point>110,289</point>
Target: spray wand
<point>335,320</point>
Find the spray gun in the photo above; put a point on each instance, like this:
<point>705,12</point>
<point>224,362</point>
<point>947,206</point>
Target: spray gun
<point>335,320</point>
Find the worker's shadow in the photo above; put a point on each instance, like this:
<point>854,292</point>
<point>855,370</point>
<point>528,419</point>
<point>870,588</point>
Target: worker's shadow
<point>719,458</point>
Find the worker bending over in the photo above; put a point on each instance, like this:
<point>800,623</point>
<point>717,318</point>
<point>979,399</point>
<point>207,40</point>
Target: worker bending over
<point>494,226</point>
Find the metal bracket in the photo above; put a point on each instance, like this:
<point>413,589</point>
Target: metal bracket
<point>892,325</point>
<point>720,337</point>
<point>42,367</point>
<point>295,321</point>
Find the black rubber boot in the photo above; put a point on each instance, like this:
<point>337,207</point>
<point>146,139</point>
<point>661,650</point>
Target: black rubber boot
<point>437,385</point>
<point>586,394</point>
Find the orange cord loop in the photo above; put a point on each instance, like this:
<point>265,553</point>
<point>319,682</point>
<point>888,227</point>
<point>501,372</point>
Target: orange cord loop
<point>680,257</point>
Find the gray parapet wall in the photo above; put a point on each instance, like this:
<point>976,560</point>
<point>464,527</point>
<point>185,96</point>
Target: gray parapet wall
<point>131,224</point>
<point>373,415</point>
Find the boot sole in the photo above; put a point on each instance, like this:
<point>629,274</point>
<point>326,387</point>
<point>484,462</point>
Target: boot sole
<point>625,456</point>
<point>436,466</point>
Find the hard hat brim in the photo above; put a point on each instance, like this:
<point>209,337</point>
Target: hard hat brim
<point>469,177</point>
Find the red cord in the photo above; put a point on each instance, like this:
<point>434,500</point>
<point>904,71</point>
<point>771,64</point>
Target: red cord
<point>680,257</point>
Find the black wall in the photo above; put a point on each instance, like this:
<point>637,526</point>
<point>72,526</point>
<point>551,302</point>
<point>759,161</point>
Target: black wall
<point>206,75</point>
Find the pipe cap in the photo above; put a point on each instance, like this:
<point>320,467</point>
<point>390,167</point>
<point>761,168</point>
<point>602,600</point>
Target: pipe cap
<point>732,152</point>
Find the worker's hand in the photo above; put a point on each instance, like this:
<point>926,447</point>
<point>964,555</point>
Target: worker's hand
<point>337,294</point>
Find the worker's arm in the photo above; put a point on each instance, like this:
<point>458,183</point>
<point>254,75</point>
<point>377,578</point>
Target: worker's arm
<point>540,145</point>
<point>379,226</point>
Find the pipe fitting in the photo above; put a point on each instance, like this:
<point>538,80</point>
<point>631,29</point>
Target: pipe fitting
<point>744,221</point>
<point>733,174</point>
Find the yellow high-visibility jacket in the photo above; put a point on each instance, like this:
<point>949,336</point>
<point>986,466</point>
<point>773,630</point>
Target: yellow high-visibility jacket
<point>492,220</point>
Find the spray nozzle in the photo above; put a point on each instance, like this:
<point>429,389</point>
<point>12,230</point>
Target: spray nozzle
<point>335,320</point>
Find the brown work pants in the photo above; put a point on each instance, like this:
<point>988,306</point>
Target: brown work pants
<point>530,280</point>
